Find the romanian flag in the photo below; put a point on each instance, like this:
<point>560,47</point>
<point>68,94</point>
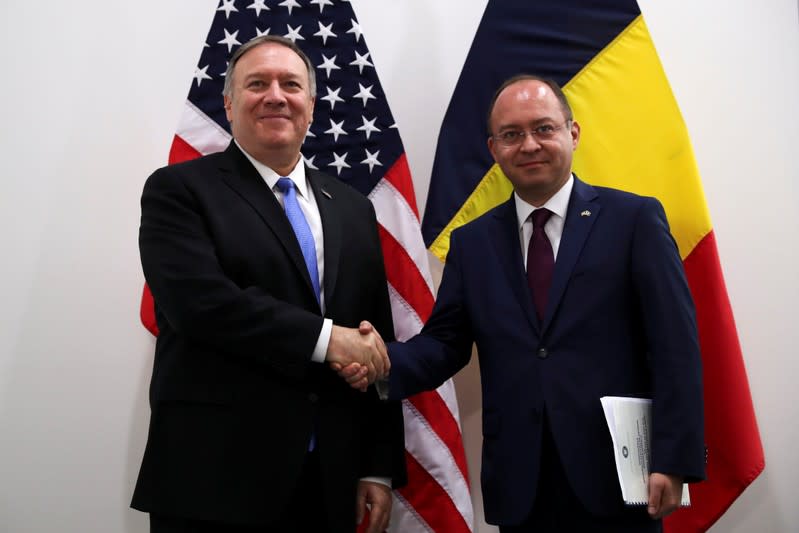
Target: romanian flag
<point>632,138</point>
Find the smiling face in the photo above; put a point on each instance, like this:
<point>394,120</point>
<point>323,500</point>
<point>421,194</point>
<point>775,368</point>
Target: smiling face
<point>270,105</point>
<point>537,168</point>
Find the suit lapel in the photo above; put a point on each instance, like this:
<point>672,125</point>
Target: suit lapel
<point>331,212</point>
<point>580,217</point>
<point>241,176</point>
<point>507,246</point>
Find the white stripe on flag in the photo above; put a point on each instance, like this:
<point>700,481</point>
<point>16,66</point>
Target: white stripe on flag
<point>397,218</point>
<point>435,457</point>
<point>199,131</point>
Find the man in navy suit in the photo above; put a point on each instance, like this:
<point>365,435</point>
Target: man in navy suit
<point>571,293</point>
<point>250,430</point>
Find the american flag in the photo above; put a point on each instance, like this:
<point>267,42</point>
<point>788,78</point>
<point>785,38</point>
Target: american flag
<point>353,136</point>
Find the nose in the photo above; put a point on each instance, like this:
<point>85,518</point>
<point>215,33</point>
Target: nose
<point>273,95</point>
<point>530,143</point>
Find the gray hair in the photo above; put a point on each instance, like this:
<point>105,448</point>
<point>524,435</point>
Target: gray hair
<point>264,39</point>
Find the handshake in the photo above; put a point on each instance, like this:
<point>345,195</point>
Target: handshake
<point>359,356</point>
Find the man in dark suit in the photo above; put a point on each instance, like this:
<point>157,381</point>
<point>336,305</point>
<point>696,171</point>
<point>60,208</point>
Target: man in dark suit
<point>250,430</point>
<point>571,293</point>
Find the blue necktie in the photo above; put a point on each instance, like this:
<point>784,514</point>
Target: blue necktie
<point>301,230</point>
<point>304,236</point>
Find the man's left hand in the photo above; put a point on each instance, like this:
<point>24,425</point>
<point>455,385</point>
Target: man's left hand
<point>665,493</point>
<point>377,497</point>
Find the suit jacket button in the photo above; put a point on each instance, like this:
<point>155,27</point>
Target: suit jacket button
<point>313,397</point>
<point>543,353</point>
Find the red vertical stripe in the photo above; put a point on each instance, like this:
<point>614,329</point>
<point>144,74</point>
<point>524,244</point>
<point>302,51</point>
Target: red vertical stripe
<point>735,453</point>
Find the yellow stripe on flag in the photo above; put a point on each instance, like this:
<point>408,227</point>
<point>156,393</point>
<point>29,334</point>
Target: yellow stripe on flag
<point>632,138</point>
<point>492,190</point>
<point>632,133</point>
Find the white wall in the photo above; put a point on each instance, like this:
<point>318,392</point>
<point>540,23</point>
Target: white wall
<point>92,90</point>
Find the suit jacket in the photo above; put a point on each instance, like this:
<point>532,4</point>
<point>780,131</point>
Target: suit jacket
<point>619,321</point>
<point>234,395</point>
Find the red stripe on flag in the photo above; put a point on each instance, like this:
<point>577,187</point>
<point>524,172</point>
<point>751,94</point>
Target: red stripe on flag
<point>147,311</point>
<point>399,175</point>
<point>430,501</point>
<point>181,151</point>
<point>735,453</point>
<point>403,274</point>
<point>432,407</point>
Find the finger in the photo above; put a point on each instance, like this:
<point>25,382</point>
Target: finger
<point>361,385</point>
<point>655,498</point>
<point>336,367</point>
<point>372,373</point>
<point>360,504</point>
<point>356,379</point>
<point>378,518</point>
<point>365,327</point>
<point>353,373</point>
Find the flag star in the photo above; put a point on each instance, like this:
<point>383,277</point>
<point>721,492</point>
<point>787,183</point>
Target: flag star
<point>371,160</point>
<point>322,4</point>
<point>230,40</point>
<point>224,73</point>
<point>336,129</point>
<point>365,93</point>
<point>289,4</point>
<point>393,126</point>
<point>332,97</point>
<point>201,74</point>
<point>328,64</point>
<point>309,161</point>
<point>368,126</point>
<point>309,133</point>
<point>258,5</point>
<point>356,29</point>
<point>325,32</point>
<point>339,162</point>
<point>259,33</point>
<point>361,61</point>
<point>227,6</point>
<point>294,33</point>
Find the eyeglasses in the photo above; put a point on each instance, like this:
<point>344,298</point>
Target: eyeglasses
<point>543,132</point>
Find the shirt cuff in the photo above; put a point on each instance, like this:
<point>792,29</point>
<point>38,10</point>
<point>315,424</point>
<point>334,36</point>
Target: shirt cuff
<point>382,480</point>
<point>320,350</point>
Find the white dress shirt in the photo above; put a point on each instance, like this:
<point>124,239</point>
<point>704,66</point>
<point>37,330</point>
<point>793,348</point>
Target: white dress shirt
<point>558,204</point>
<point>307,201</point>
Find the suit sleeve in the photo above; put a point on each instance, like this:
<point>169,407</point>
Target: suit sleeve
<point>444,345</point>
<point>673,347</point>
<point>198,300</point>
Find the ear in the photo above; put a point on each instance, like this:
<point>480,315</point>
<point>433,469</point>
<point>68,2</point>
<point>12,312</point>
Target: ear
<point>575,133</point>
<point>492,147</point>
<point>227,104</point>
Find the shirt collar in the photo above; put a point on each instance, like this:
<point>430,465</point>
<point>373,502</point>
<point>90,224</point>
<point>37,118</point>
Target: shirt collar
<point>558,204</point>
<point>297,175</point>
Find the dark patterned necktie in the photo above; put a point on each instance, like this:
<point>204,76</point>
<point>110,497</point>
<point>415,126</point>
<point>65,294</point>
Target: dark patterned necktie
<point>540,262</point>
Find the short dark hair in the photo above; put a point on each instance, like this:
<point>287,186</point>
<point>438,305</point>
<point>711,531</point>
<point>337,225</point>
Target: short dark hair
<point>263,39</point>
<point>552,84</point>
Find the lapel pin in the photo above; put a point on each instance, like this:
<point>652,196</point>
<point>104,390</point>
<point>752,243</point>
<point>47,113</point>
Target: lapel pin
<point>327,194</point>
<point>585,213</point>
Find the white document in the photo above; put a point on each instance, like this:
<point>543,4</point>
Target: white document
<point>630,424</point>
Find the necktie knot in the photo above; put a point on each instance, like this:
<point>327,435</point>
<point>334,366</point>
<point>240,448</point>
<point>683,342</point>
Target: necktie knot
<point>540,217</point>
<point>285,185</point>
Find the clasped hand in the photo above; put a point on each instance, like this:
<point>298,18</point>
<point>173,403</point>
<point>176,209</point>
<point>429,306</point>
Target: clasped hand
<point>359,356</point>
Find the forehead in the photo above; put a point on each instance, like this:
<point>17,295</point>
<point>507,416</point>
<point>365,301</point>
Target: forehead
<point>526,101</point>
<point>271,57</point>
